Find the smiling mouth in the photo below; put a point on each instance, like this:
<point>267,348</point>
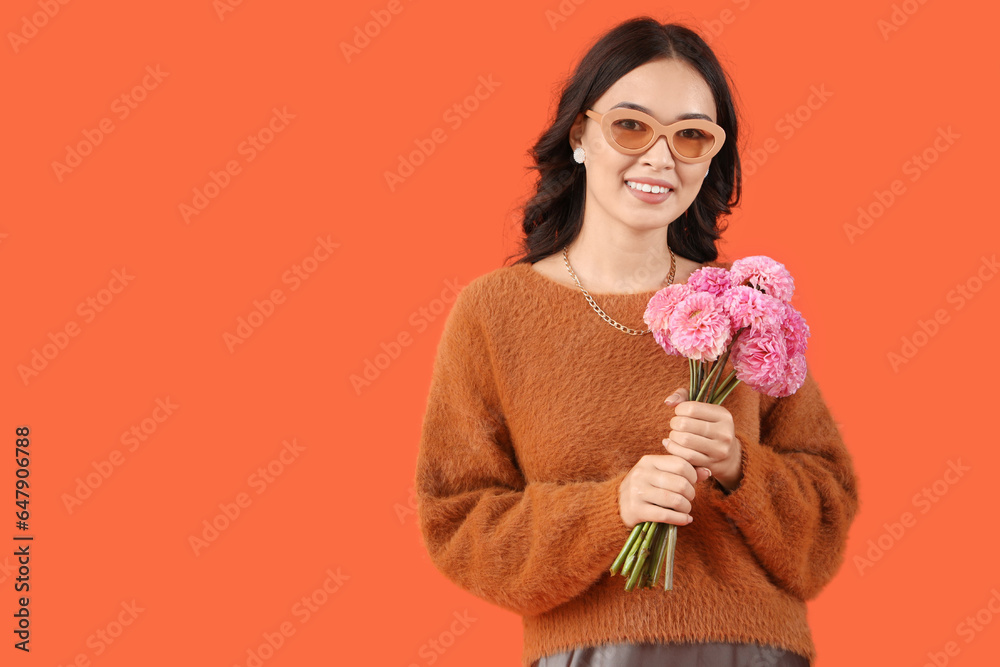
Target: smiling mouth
<point>645,187</point>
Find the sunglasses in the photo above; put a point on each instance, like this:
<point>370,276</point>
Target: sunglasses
<point>631,132</point>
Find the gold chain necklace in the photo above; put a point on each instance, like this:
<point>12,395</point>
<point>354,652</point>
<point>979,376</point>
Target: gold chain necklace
<point>621,327</point>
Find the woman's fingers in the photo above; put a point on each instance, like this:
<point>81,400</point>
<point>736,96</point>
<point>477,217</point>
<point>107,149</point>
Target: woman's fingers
<point>672,516</point>
<point>679,396</point>
<point>661,489</point>
<point>692,456</point>
<point>677,465</point>
<point>669,481</point>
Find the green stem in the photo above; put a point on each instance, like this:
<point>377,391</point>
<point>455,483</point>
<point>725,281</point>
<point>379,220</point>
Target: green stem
<point>723,397</point>
<point>712,392</point>
<point>637,570</point>
<point>630,559</point>
<point>723,386</point>
<point>713,375</point>
<point>668,582</point>
<point>658,555</point>
<point>725,358</point>
<point>654,554</point>
<point>633,536</point>
<point>691,377</point>
<point>643,581</point>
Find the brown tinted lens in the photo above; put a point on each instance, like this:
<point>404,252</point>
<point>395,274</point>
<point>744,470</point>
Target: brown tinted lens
<point>693,142</point>
<point>631,133</point>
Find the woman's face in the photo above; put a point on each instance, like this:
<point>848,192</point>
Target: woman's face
<point>667,90</point>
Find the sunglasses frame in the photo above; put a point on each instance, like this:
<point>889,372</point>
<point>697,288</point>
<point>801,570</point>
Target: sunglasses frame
<point>659,129</point>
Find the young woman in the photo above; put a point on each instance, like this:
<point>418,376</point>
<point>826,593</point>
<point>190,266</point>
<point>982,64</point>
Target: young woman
<point>546,436</point>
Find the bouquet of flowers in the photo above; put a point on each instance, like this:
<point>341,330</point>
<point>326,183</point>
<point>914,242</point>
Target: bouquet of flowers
<point>743,312</point>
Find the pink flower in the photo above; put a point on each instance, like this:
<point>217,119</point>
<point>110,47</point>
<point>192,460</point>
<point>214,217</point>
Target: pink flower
<point>712,279</point>
<point>661,337</point>
<point>748,307</point>
<point>791,380</point>
<point>760,358</point>
<point>699,319</point>
<point>795,330</point>
<point>658,310</point>
<point>763,273</point>
<point>661,303</point>
<point>699,328</point>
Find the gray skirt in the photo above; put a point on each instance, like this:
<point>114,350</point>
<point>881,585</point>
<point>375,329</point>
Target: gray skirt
<point>674,655</point>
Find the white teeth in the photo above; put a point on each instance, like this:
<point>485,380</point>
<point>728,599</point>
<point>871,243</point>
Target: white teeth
<point>646,187</point>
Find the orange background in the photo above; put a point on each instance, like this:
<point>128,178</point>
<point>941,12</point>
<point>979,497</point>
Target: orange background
<point>343,503</point>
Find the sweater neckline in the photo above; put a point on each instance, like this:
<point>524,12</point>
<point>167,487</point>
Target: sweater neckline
<point>611,297</point>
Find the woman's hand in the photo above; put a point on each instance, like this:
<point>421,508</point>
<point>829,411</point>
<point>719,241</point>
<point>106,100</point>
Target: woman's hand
<point>660,487</point>
<point>703,434</point>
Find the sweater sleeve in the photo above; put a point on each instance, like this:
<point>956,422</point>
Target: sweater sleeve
<point>798,495</point>
<point>525,546</point>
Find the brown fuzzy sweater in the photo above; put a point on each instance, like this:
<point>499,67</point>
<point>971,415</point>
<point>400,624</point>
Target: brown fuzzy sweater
<point>538,408</point>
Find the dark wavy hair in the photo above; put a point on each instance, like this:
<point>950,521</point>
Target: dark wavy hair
<point>553,215</point>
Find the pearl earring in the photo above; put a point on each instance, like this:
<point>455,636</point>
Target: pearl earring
<point>706,174</point>
<point>579,154</point>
